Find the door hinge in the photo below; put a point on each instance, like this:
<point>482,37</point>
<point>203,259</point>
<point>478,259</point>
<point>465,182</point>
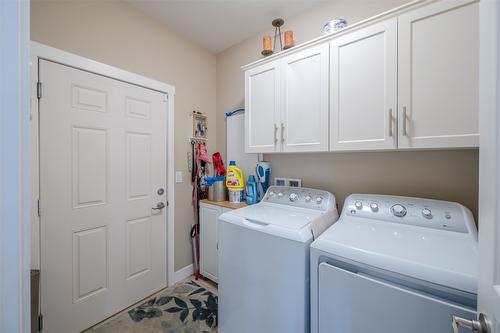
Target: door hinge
<point>40,322</point>
<point>167,203</point>
<point>166,97</point>
<point>39,89</point>
<point>38,208</point>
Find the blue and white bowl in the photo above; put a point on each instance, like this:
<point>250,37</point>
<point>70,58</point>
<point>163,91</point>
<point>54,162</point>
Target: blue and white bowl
<point>334,25</point>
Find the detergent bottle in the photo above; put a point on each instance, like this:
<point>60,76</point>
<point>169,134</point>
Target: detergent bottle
<point>235,182</point>
<point>252,194</point>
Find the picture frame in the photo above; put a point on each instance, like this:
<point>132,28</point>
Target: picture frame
<point>200,126</point>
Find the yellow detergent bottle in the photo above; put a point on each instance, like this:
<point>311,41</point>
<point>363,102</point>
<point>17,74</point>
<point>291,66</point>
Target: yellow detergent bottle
<point>235,182</point>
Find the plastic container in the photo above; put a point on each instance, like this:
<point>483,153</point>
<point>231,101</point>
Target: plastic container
<point>334,25</point>
<point>235,196</point>
<point>217,188</point>
<point>235,180</point>
<point>252,194</point>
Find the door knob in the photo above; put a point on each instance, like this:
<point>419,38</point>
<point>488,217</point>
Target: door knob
<point>473,325</point>
<point>159,206</point>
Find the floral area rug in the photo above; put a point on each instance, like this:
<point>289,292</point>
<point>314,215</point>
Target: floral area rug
<point>184,308</point>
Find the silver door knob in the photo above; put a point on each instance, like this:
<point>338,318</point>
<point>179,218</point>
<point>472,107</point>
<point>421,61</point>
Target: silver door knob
<point>159,206</point>
<point>473,325</point>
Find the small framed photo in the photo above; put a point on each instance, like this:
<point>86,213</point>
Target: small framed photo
<point>199,126</point>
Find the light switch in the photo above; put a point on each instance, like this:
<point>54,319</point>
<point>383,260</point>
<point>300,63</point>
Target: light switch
<point>178,177</point>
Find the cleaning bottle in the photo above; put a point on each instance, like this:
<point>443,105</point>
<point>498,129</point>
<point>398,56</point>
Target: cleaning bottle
<point>235,182</point>
<point>252,195</point>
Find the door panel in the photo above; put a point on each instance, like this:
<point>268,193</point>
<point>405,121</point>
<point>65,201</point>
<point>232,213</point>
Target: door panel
<point>102,159</point>
<point>438,76</point>
<point>364,88</point>
<point>350,302</point>
<point>209,216</point>
<point>262,108</point>
<point>304,110</point>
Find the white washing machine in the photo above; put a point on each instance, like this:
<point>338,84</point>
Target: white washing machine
<point>264,260</point>
<point>394,264</point>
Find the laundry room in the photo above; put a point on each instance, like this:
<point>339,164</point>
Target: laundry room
<point>319,166</point>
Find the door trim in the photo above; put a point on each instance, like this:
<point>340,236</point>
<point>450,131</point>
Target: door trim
<point>41,51</point>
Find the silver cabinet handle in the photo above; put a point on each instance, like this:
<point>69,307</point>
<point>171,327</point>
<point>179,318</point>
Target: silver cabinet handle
<point>159,206</point>
<point>390,122</point>
<point>480,325</point>
<point>275,133</point>
<point>282,132</point>
<point>405,133</point>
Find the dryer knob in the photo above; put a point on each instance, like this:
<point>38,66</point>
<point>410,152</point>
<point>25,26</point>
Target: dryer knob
<point>280,194</point>
<point>308,198</point>
<point>293,197</point>
<point>398,210</point>
<point>319,200</point>
<point>427,213</point>
<point>358,205</point>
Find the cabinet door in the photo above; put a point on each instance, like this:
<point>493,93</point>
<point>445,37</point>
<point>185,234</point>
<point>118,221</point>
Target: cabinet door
<point>364,88</point>
<point>304,108</point>
<point>438,75</point>
<point>262,108</point>
<point>209,216</point>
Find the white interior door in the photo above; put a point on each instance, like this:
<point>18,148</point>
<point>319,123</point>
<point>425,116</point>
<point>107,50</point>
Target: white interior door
<point>438,75</point>
<point>489,166</point>
<point>304,110</point>
<point>262,108</point>
<point>102,162</point>
<point>364,76</point>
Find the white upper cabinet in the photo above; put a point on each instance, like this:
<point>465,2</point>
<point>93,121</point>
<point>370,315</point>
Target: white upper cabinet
<point>304,107</point>
<point>364,88</point>
<point>407,80</point>
<point>438,75</point>
<point>262,117</point>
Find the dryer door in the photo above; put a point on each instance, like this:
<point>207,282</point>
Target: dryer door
<point>358,303</point>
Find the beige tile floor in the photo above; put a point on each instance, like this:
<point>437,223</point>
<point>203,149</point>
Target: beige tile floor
<point>205,283</point>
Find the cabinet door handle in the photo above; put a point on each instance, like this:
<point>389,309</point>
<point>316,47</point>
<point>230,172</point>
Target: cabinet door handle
<point>282,132</point>
<point>405,133</point>
<point>275,133</point>
<point>390,122</point>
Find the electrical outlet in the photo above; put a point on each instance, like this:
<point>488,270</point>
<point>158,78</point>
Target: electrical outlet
<point>280,181</point>
<point>293,182</point>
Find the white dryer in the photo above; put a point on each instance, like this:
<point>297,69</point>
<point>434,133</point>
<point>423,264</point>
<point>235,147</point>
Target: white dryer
<point>394,264</point>
<point>264,260</point>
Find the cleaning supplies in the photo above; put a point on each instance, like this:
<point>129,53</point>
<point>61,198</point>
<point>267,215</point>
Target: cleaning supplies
<point>235,179</point>
<point>235,182</point>
<point>263,171</point>
<point>252,195</point>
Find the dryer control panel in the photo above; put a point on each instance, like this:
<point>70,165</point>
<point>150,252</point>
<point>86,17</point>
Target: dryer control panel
<point>427,213</point>
<point>301,197</point>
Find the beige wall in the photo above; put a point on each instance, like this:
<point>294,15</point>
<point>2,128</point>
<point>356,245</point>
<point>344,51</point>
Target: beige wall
<point>446,175</point>
<point>114,33</point>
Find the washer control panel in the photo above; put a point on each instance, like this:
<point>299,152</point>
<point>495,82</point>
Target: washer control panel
<point>300,197</point>
<point>428,213</point>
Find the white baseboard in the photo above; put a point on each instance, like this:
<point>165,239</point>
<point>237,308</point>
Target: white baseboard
<point>183,273</point>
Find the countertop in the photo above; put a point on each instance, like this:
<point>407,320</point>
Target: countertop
<point>225,204</point>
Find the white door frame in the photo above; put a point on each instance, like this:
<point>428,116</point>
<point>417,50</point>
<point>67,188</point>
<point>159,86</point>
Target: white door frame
<point>14,167</point>
<point>489,159</point>
<point>40,51</point>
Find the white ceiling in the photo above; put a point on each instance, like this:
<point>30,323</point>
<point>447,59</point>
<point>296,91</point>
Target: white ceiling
<point>219,24</point>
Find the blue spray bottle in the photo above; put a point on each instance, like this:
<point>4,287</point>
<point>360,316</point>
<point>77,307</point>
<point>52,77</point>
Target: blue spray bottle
<point>252,194</point>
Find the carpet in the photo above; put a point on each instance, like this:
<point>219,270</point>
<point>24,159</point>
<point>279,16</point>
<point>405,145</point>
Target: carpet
<point>184,308</point>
